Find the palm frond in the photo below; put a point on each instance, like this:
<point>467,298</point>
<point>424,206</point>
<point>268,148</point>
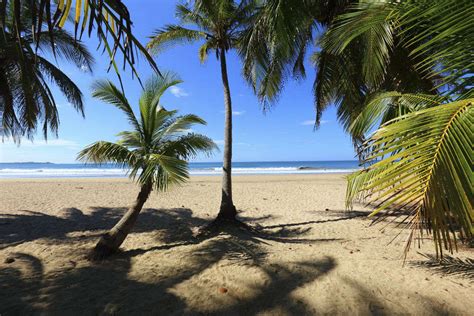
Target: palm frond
<point>435,34</point>
<point>180,124</point>
<point>171,35</point>
<point>69,48</point>
<point>69,89</point>
<point>189,146</point>
<point>163,171</point>
<point>189,16</point>
<point>110,19</point>
<point>372,23</point>
<point>155,87</point>
<point>133,140</point>
<point>106,152</point>
<point>443,38</point>
<point>382,107</point>
<point>422,162</point>
<point>273,46</point>
<point>204,50</point>
<point>448,265</point>
<point>106,91</point>
<point>27,93</point>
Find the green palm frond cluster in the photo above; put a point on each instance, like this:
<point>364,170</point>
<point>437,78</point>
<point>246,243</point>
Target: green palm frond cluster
<point>420,159</point>
<point>156,150</point>
<point>274,46</point>
<point>401,69</point>
<point>434,33</point>
<point>381,107</point>
<point>26,99</point>
<point>422,163</point>
<point>109,19</point>
<point>363,54</point>
<point>218,24</point>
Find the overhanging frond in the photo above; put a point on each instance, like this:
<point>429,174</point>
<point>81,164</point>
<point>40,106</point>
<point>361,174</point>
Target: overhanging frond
<point>422,163</point>
<point>173,34</point>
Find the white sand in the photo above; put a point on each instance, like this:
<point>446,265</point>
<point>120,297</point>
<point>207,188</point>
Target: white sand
<point>325,262</point>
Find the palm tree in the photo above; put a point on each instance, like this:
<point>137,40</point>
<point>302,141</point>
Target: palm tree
<point>420,162</point>
<point>26,73</point>
<point>155,150</point>
<point>219,24</point>
<point>395,63</point>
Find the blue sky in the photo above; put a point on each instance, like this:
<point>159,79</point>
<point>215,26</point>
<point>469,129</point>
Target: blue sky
<point>284,133</point>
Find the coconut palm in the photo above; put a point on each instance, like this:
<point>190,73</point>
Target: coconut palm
<point>26,75</point>
<point>421,162</point>
<point>396,63</point>
<point>218,24</point>
<point>109,19</point>
<point>155,151</point>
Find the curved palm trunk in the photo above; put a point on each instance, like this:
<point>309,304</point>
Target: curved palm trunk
<point>111,241</point>
<point>227,209</point>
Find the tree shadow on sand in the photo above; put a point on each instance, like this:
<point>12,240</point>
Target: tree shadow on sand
<point>345,216</point>
<point>366,302</point>
<point>113,287</point>
<point>109,289</point>
<point>178,228</point>
<point>106,288</point>
<point>170,228</point>
<point>29,226</point>
<point>447,265</point>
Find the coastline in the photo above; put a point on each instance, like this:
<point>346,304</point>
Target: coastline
<point>319,258</point>
<point>192,177</point>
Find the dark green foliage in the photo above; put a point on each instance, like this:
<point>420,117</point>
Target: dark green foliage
<point>26,100</point>
<point>156,150</point>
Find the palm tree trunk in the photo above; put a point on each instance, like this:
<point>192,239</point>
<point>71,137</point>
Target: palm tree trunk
<point>111,241</point>
<point>227,209</point>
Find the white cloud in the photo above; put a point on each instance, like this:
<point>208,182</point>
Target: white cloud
<point>236,113</point>
<point>311,122</point>
<point>178,92</point>
<point>220,142</point>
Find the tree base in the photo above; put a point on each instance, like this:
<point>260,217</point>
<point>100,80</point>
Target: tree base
<point>102,250</point>
<point>221,224</point>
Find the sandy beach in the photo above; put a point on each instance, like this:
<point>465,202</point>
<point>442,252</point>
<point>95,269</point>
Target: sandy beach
<point>315,259</point>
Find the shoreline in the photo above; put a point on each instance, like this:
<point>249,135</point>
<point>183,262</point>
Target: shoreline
<point>191,177</point>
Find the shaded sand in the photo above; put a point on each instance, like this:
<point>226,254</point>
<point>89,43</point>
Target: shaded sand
<point>313,261</point>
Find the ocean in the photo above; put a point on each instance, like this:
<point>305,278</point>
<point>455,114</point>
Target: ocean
<point>53,170</point>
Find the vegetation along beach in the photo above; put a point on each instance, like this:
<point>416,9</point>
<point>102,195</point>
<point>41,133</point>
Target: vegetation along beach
<point>223,157</point>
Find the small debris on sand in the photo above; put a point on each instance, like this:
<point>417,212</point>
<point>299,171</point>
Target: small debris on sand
<point>9,260</point>
<point>223,290</point>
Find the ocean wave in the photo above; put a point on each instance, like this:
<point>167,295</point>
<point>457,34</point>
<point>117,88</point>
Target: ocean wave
<point>111,172</point>
<point>271,170</point>
<point>61,173</point>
